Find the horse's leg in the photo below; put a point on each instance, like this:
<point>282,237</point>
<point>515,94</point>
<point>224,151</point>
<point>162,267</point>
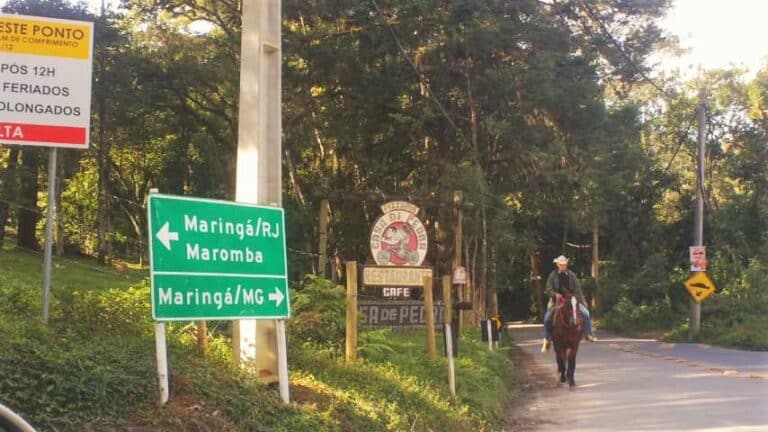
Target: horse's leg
<point>572,365</point>
<point>560,353</point>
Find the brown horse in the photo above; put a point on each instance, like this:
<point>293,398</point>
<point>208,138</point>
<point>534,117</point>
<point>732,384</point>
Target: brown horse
<point>567,332</point>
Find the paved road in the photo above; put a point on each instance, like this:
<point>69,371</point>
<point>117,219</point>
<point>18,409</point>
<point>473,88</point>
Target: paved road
<point>644,385</point>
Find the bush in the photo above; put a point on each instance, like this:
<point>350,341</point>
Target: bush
<point>319,313</point>
<point>734,316</point>
<point>110,311</point>
<point>375,344</point>
<point>630,317</point>
<point>657,282</point>
<point>61,381</point>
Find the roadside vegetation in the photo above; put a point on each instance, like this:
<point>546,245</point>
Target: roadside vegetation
<point>93,368</point>
<point>734,317</point>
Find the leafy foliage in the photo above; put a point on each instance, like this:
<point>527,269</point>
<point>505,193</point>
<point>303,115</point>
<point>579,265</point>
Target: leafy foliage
<point>94,367</point>
<point>319,313</point>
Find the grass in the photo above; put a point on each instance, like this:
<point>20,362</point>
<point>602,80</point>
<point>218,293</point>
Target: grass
<point>93,369</point>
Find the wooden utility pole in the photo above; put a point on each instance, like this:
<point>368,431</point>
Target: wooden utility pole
<point>458,200</point>
<point>596,267</point>
<point>699,222</point>
<point>351,339</point>
<point>322,261</point>
<point>429,313</point>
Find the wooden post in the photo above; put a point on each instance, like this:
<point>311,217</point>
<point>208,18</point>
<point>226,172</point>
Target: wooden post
<point>322,261</point>
<point>430,315</point>
<point>447,300</point>
<point>202,335</point>
<point>447,317</point>
<point>351,346</point>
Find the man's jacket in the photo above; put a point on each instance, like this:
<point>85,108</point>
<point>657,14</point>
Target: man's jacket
<point>574,287</point>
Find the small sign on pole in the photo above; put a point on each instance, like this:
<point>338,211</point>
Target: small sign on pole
<point>460,276</point>
<point>698,257</point>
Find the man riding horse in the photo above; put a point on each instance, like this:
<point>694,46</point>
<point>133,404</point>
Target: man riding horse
<point>564,282</point>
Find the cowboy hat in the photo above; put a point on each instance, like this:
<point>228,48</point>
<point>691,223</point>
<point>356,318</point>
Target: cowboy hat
<point>560,260</point>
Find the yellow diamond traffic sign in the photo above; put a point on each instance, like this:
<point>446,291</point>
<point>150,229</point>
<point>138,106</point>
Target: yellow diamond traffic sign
<point>700,286</point>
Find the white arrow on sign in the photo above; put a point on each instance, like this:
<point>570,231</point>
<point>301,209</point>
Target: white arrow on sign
<point>165,235</point>
<point>277,297</point>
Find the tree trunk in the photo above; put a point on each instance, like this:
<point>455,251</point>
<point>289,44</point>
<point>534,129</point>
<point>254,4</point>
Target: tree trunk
<point>28,213</point>
<point>482,279</point>
<point>322,249</point>
<point>8,190</point>
<point>536,281</point>
<point>492,300</point>
<point>470,264</point>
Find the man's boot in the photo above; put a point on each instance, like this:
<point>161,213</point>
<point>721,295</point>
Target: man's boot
<point>545,345</point>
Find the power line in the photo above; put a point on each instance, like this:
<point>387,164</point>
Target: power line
<point>604,30</point>
<point>422,78</point>
<point>680,142</point>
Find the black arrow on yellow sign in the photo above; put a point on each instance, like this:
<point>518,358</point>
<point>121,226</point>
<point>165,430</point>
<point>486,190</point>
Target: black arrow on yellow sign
<point>700,286</point>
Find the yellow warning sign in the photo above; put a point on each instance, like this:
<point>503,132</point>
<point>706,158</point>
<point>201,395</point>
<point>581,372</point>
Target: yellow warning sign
<point>52,37</point>
<point>700,286</point>
<point>497,321</point>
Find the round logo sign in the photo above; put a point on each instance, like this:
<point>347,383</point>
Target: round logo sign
<point>399,238</point>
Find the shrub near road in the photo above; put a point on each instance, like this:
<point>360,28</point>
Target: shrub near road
<point>93,367</point>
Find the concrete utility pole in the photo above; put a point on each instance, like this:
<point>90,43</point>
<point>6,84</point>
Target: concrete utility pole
<point>698,239</point>
<point>259,162</point>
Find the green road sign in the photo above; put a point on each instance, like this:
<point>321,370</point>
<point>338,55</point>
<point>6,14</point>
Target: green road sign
<point>216,259</point>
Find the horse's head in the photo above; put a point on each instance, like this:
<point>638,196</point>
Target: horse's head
<point>568,309</point>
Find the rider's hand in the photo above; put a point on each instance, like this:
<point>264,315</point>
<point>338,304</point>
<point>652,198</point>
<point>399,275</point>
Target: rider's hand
<point>558,297</point>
